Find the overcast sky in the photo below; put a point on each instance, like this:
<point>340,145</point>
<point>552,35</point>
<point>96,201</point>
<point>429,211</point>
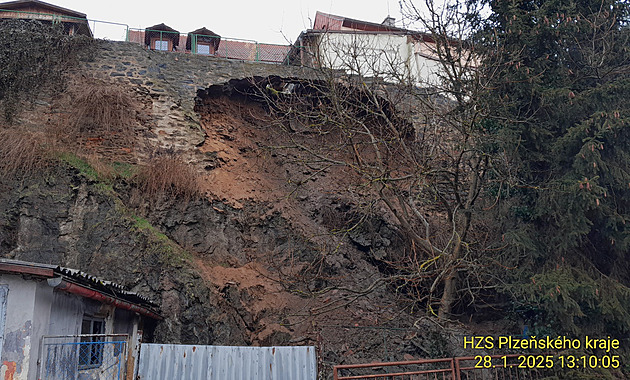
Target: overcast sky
<point>272,21</point>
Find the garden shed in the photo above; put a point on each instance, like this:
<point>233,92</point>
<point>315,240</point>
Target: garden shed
<point>61,323</point>
<point>203,41</point>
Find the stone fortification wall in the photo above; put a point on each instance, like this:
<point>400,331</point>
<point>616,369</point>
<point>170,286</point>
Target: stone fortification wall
<point>177,75</point>
<point>170,82</point>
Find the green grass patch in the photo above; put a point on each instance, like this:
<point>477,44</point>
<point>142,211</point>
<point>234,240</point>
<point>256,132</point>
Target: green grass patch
<point>99,170</point>
<point>124,169</point>
<point>104,188</point>
<point>167,250</point>
<point>142,224</point>
<point>80,164</point>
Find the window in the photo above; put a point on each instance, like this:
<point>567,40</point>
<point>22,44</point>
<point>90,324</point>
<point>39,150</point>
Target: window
<point>203,49</point>
<point>91,347</point>
<point>161,45</point>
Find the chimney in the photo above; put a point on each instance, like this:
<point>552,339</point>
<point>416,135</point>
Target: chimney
<point>389,21</point>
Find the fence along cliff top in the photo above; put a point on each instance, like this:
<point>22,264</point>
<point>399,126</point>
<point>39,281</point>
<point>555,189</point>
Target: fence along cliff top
<point>201,41</point>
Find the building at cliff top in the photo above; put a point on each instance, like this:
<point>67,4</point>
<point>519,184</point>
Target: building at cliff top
<point>368,49</point>
<point>73,22</point>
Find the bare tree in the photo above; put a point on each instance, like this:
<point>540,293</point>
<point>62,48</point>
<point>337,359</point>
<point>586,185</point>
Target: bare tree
<point>399,111</point>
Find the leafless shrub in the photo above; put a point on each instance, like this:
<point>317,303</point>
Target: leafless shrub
<point>168,176</point>
<point>96,118</point>
<point>98,107</point>
<point>21,152</point>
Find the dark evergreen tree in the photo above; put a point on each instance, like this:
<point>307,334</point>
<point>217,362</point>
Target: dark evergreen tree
<point>560,111</point>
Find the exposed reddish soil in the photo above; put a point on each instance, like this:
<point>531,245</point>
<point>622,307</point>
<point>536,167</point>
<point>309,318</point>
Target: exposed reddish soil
<point>243,171</point>
<point>353,315</point>
<point>249,169</point>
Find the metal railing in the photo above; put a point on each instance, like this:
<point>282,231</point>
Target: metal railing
<point>98,356</point>
<point>165,40</point>
<point>412,369</point>
<point>211,45</point>
<point>501,367</point>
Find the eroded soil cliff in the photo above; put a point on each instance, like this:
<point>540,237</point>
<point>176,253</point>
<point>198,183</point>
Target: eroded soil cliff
<point>261,253</point>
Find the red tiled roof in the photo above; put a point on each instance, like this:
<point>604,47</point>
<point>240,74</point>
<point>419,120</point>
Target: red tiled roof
<point>251,51</point>
<point>273,53</point>
<point>237,50</point>
<point>325,21</point>
<point>136,36</point>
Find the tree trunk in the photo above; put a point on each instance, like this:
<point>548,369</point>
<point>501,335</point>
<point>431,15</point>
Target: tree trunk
<point>450,284</point>
<point>450,279</point>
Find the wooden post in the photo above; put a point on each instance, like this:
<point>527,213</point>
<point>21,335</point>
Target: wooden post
<point>133,349</point>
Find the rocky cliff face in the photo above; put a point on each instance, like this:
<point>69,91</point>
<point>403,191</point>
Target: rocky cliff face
<point>248,260</point>
<point>62,217</point>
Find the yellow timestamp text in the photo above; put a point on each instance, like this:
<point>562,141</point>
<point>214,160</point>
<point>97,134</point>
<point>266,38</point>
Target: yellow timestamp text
<point>547,361</point>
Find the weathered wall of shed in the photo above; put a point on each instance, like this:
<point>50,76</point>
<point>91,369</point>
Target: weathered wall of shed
<point>28,313</point>
<point>66,315</point>
<point>68,311</point>
<point>41,320</point>
<point>34,309</point>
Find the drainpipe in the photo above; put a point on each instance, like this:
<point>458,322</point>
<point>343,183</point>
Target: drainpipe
<point>61,284</point>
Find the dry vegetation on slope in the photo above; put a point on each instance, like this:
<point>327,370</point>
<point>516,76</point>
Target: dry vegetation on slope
<point>323,218</point>
<point>246,217</point>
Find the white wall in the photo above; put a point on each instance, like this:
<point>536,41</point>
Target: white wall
<point>28,312</point>
<point>390,56</point>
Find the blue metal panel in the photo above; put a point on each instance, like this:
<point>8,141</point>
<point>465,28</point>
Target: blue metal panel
<point>188,362</point>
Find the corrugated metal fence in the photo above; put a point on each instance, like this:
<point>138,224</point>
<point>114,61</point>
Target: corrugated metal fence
<point>188,362</point>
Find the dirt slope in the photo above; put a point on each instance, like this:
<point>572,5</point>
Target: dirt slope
<point>257,259</point>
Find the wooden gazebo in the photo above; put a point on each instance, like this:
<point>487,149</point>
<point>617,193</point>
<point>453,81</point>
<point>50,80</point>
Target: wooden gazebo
<point>161,37</point>
<point>203,41</point>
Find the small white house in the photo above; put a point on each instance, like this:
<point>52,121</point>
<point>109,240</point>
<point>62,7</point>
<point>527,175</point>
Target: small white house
<point>60,323</point>
<point>369,50</point>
